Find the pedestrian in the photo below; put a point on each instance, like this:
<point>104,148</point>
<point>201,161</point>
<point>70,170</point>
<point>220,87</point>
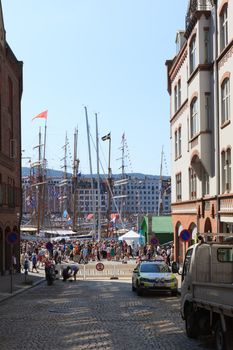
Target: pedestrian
<point>66,273</point>
<point>14,263</point>
<point>75,269</point>
<point>34,262</point>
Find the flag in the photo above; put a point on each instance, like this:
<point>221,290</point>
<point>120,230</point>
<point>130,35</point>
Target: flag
<point>41,115</point>
<point>106,137</point>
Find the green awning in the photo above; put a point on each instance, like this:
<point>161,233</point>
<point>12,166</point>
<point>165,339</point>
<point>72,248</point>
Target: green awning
<point>160,224</point>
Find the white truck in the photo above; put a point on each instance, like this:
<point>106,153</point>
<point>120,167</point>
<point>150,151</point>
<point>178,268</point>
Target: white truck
<point>207,292</point>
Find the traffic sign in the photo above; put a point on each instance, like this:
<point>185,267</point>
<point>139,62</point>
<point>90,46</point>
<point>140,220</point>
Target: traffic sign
<point>12,237</point>
<point>99,267</point>
<point>154,240</point>
<point>185,235</point>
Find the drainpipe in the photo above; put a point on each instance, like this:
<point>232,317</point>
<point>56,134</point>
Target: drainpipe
<point>216,108</point>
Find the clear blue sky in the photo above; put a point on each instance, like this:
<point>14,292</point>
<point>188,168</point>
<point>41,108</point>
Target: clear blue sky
<point>106,54</point>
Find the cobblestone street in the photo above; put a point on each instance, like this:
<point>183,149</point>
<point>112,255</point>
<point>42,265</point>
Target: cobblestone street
<point>92,315</point>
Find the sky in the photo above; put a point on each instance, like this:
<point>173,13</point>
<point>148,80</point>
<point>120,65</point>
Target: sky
<point>107,55</point>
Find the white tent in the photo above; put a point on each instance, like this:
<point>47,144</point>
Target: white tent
<point>130,235</point>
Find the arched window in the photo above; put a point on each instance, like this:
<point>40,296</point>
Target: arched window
<point>192,55</point>
<point>224,27</point>
<point>194,118</point>
<point>225,100</point>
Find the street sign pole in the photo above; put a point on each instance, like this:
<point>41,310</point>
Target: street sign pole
<point>11,268</point>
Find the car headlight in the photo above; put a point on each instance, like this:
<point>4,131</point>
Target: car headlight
<point>171,280</point>
<point>144,279</point>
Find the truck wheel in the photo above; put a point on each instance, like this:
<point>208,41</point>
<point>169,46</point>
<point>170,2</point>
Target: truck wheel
<point>219,336</point>
<point>191,325</point>
<point>229,334</point>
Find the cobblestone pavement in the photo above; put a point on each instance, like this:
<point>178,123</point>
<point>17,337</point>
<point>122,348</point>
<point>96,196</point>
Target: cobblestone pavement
<point>92,315</point>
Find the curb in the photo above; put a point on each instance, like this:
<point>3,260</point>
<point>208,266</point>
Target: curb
<point>22,290</point>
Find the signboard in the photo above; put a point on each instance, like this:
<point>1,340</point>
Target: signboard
<point>99,267</point>
<point>12,237</point>
<point>154,240</point>
<point>49,246</point>
<point>185,235</point>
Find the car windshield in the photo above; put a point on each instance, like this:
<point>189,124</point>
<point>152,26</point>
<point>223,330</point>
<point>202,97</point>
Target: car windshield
<point>154,268</point>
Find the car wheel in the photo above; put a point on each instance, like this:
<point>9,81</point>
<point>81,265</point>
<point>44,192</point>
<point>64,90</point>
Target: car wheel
<point>174,293</point>
<point>139,291</point>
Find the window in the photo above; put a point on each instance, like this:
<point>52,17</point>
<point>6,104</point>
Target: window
<point>175,99</point>
<point>205,183</point>
<point>10,96</point>
<point>176,144</point>
<point>192,55</point>
<point>226,171</point>
<point>179,93</point>
<point>187,263</point>
<point>178,187</point>
<point>206,45</point>
<point>192,184</point>
<point>225,254</point>
<point>224,27</point>
<point>207,110</point>
<point>194,118</point>
<point>179,141</point>
<point>225,100</point>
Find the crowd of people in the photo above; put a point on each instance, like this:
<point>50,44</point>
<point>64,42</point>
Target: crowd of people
<point>35,254</point>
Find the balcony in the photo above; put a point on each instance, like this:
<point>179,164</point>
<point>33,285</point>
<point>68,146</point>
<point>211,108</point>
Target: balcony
<point>195,6</point>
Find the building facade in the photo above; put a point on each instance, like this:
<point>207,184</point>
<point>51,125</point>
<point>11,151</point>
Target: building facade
<point>138,193</point>
<point>10,151</point>
<point>200,84</point>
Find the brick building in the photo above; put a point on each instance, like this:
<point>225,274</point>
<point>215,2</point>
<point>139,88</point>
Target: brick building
<point>10,148</point>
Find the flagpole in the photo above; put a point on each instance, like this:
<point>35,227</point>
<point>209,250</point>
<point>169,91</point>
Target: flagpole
<point>44,174</point>
<point>98,179</point>
<point>109,186</point>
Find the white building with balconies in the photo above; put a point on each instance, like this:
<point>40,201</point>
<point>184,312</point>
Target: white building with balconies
<point>200,81</point>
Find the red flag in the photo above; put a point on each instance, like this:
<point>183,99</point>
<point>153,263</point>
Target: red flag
<point>41,115</point>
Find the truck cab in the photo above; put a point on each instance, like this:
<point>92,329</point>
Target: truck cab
<point>207,292</point>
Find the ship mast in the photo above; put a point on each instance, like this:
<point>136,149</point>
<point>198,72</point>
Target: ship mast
<point>74,179</point>
<point>91,173</point>
<point>39,184</point>
<point>63,183</point>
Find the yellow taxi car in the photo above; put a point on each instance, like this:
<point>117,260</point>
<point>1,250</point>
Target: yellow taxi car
<point>154,276</point>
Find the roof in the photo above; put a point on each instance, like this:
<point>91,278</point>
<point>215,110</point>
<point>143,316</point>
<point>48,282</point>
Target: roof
<point>160,224</point>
